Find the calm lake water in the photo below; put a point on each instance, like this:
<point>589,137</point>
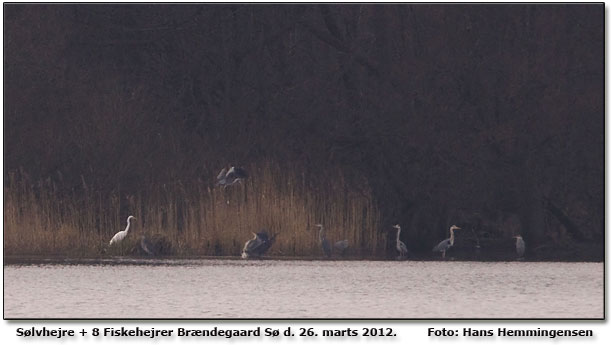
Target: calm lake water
<point>305,289</point>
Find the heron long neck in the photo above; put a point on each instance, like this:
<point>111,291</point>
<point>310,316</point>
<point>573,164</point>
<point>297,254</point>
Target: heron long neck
<point>452,237</point>
<point>398,235</point>
<point>127,227</point>
<point>321,233</point>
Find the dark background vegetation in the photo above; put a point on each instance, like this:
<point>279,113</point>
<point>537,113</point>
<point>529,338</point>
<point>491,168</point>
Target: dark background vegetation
<point>489,116</point>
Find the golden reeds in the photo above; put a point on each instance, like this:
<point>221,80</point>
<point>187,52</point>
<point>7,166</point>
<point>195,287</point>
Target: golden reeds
<point>197,219</point>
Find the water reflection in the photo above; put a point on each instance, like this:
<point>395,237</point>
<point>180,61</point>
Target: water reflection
<point>305,289</point>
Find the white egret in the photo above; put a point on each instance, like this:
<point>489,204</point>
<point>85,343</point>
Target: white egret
<point>401,247</point>
<point>119,236</point>
<point>447,243</point>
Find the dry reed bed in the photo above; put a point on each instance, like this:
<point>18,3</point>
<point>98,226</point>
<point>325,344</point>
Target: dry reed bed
<point>197,219</point>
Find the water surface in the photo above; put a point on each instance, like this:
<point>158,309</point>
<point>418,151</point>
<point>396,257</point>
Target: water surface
<point>305,289</point>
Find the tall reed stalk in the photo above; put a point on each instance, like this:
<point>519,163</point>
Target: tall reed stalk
<point>197,219</point>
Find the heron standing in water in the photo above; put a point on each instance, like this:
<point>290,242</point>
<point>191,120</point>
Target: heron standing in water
<point>401,247</point>
<point>520,246</point>
<point>119,236</point>
<point>447,243</point>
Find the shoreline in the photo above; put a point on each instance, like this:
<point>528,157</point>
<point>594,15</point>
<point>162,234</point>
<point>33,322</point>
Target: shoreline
<point>10,260</point>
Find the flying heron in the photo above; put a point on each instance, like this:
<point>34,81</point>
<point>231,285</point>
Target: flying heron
<point>401,247</point>
<point>520,246</point>
<point>119,236</point>
<point>229,177</point>
<point>447,243</point>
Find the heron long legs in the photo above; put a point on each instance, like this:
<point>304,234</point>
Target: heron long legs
<point>401,247</point>
<point>446,244</point>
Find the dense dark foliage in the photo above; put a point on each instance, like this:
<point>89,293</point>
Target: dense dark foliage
<point>490,116</point>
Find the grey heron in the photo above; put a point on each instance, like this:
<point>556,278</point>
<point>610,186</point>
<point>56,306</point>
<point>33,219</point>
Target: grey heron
<point>477,244</point>
<point>267,242</point>
<point>447,243</point>
<point>119,236</point>
<point>322,239</point>
<point>258,245</point>
<point>229,177</point>
<point>341,246</point>
<point>401,247</point>
<point>147,246</point>
<point>250,246</point>
<point>520,246</point>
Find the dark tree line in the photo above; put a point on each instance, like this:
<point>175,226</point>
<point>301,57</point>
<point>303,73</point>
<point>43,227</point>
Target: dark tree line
<point>452,113</point>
